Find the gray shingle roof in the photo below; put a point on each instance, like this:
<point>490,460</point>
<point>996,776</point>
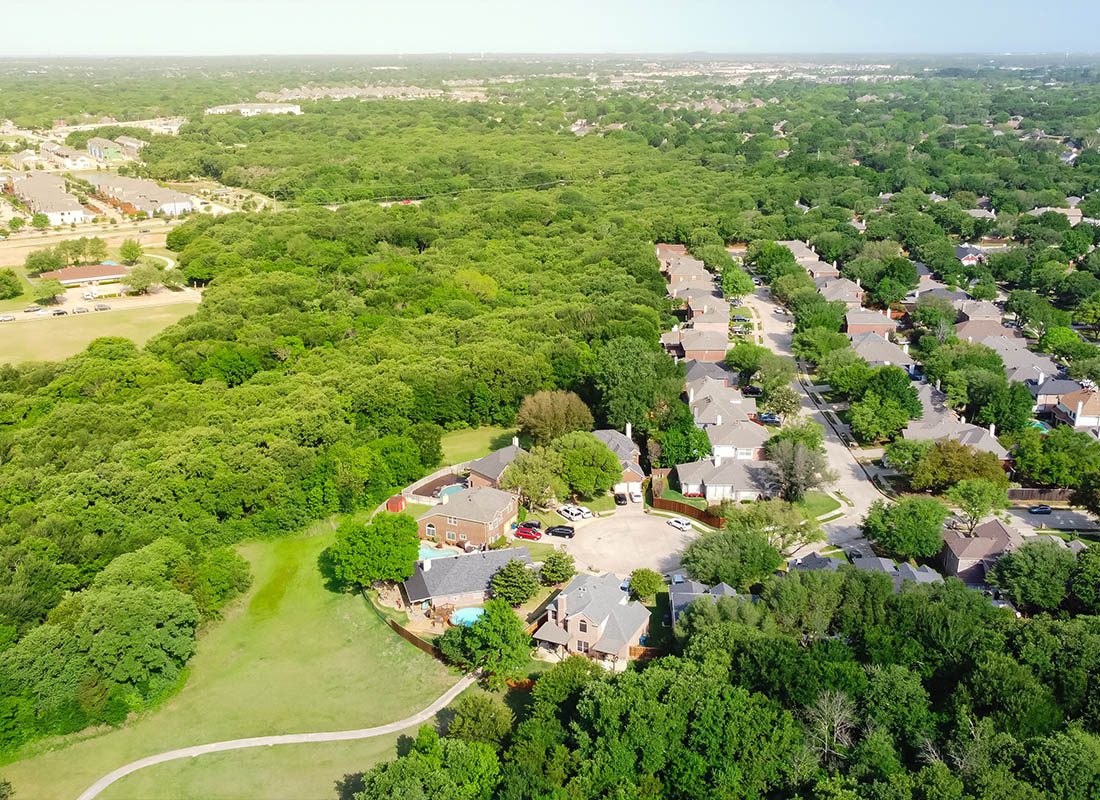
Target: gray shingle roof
<point>874,349</point>
<point>493,465</point>
<point>682,593</point>
<point>474,505</point>
<point>740,475</point>
<point>463,574</point>
<point>622,446</point>
<point>601,599</point>
<point>815,562</point>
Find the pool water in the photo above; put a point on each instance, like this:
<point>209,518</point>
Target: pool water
<point>466,616</point>
<point>1042,426</point>
<point>427,552</point>
<point>452,489</point>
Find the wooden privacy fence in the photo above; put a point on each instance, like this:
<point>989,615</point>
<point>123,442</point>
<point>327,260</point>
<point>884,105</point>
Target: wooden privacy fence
<point>402,631</point>
<point>645,653</point>
<point>689,511</point>
<point>1040,495</point>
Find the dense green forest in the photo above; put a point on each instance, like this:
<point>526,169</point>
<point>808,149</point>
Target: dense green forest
<point>334,347</point>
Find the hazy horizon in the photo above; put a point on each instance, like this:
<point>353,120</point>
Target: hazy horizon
<point>566,27</point>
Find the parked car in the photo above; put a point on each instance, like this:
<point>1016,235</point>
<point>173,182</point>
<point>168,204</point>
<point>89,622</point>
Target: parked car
<point>564,531</point>
<point>751,391</point>
<point>680,524</point>
<point>739,318</point>
<point>528,533</point>
<point>570,513</point>
<point>620,499</point>
<point>531,523</point>
<point>102,307</point>
<point>7,318</point>
<point>1040,509</point>
<point>770,419</point>
<point>586,513</point>
<point>88,295</point>
<point>32,309</point>
<point>636,496</point>
<point>144,230</point>
<point>81,310</point>
<point>59,312</point>
<point>756,281</point>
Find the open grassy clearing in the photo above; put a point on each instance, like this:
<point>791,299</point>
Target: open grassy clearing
<point>57,338</point>
<point>817,503</point>
<point>291,656</point>
<point>469,443</point>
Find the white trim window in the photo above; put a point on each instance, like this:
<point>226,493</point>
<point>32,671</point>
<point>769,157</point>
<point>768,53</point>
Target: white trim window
<point>582,626</point>
<point>429,530</point>
<point>582,647</point>
<point>462,537</point>
<point>451,536</point>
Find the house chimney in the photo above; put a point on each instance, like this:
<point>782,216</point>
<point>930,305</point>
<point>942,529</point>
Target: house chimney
<point>1080,408</point>
<point>629,431</point>
<point>515,441</point>
<point>425,564</point>
<point>859,282</point>
<point>992,429</point>
<point>937,384</point>
<point>1042,378</point>
<point>691,394</point>
<point>718,420</point>
<point>718,461</point>
<point>905,348</point>
<point>443,499</point>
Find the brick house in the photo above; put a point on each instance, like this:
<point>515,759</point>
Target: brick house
<point>629,455</point>
<point>475,517</point>
<point>696,345</point>
<point>858,321</point>
<point>487,471</point>
<point>594,616</point>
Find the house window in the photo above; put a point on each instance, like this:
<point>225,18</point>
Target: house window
<point>451,536</point>
<point>429,530</point>
<point>744,453</point>
<point>582,626</point>
<point>462,537</point>
<point>582,647</point>
<point>452,521</point>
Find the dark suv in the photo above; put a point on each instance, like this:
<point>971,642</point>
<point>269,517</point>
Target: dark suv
<point>564,531</point>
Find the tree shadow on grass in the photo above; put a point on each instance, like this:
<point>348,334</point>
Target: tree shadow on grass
<point>349,786</point>
<point>504,439</point>
<point>328,572</point>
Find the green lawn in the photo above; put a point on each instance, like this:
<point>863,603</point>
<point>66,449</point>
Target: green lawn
<point>672,494</point>
<point>291,656</point>
<point>471,443</point>
<point>817,503</point>
<point>58,338</point>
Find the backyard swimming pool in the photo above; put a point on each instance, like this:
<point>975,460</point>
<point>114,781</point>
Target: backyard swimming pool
<point>452,489</point>
<point>429,552</point>
<point>466,616</point>
<point>1040,425</point>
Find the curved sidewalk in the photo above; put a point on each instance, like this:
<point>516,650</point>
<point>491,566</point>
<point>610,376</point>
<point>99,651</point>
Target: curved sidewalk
<point>288,738</point>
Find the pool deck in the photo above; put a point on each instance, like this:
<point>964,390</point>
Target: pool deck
<point>431,488</point>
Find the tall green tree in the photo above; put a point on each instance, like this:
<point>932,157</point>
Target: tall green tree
<point>383,550</point>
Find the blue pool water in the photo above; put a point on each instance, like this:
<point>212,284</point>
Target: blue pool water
<point>1040,425</point>
<point>427,552</point>
<point>466,616</point>
<point>456,487</point>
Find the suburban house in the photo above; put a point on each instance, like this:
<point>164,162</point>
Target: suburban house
<point>696,345</point>
<point>841,289</point>
<point>923,574</point>
<point>880,352</point>
<point>969,255</point>
<point>629,455</point>
<point>105,149</point>
<point>977,330</point>
<point>939,423</point>
<point>667,253</point>
<point>87,274</point>
<point>865,321</point>
<point>700,304</point>
<point>711,401</point>
<point>738,439</point>
<point>487,470</point>
<point>977,310</point>
<point>1050,392</point>
<point>1074,215</point>
<point>66,157</point>
<point>819,270</point>
<point>981,213</point>
<point>1021,364</point>
<point>460,580</point>
<point>683,592</point>
<point>815,562</point>
<point>1081,409</point>
<point>716,479</point>
<point>594,616</point>
<point>697,370</point>
<point>968,558</point>
<point>472,517</point>
<point>715,320</point>
<point>685,269</point>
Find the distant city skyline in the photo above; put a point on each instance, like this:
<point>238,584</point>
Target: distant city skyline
<point>411,27</point>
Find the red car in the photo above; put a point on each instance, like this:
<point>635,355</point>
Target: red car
<point>528,533</point>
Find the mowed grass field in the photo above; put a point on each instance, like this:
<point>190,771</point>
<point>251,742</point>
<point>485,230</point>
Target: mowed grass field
<point>471,443</point>
<point>289,657</point>
<point>60,337</point>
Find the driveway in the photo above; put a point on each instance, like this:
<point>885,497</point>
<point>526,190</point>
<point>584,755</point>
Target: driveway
<point>777,330</point>
<point>1059,519</point>
<point>626,540</point>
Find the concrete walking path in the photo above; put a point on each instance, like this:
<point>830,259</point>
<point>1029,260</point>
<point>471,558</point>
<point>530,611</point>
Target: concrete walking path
<point>288,738</point>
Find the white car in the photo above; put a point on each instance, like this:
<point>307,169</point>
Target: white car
<point>586,513</point>
<point>636,497</point>
<point>571,513</point>
<point>680,524</point>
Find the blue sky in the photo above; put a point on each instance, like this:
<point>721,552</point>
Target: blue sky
<point>226,27</point>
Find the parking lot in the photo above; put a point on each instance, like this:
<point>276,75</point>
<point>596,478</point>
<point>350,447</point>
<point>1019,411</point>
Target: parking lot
<point>626,540</point>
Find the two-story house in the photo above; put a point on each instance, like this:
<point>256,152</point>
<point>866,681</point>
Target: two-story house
<point>475,517</point>
<point>594,616</point>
